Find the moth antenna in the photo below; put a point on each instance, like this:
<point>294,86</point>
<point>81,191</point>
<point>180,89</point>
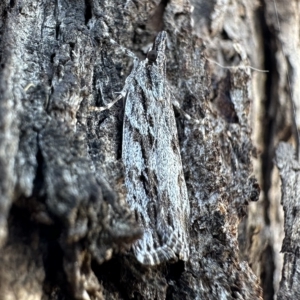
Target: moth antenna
<point>102,108</point>
<point>128,79</point>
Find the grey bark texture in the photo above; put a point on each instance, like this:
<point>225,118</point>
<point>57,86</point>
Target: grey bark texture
<point>65,228</point>
<point>289,169</point>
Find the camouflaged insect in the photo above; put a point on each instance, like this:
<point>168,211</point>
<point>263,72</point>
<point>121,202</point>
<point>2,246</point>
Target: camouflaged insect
<point>156,188</point>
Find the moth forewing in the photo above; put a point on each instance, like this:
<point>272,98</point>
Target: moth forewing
<point>156,188</point>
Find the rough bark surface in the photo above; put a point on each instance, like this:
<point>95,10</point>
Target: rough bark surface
<point>65,228</point>
<point>289,169</point>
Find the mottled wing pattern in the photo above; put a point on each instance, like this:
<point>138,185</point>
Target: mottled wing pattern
<point>156,188</point>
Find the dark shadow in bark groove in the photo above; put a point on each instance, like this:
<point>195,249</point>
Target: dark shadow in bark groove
<point>271,103</point>
<point>110,275</point>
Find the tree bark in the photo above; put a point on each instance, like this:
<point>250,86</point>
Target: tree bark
<point>289,173</point>
<point>65,228</point>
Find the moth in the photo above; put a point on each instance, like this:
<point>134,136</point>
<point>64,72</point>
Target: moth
<point>156,188</point>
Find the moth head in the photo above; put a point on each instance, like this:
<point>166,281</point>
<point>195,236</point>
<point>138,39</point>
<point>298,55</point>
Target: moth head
<point>152,55</point>
<point>157,53</point>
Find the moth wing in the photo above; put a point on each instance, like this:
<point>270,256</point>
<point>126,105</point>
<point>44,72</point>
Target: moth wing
<point>156,188</point>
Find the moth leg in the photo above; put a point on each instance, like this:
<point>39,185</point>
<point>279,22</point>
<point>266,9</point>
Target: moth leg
<point>102,108</point>
<point>128,81</point>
